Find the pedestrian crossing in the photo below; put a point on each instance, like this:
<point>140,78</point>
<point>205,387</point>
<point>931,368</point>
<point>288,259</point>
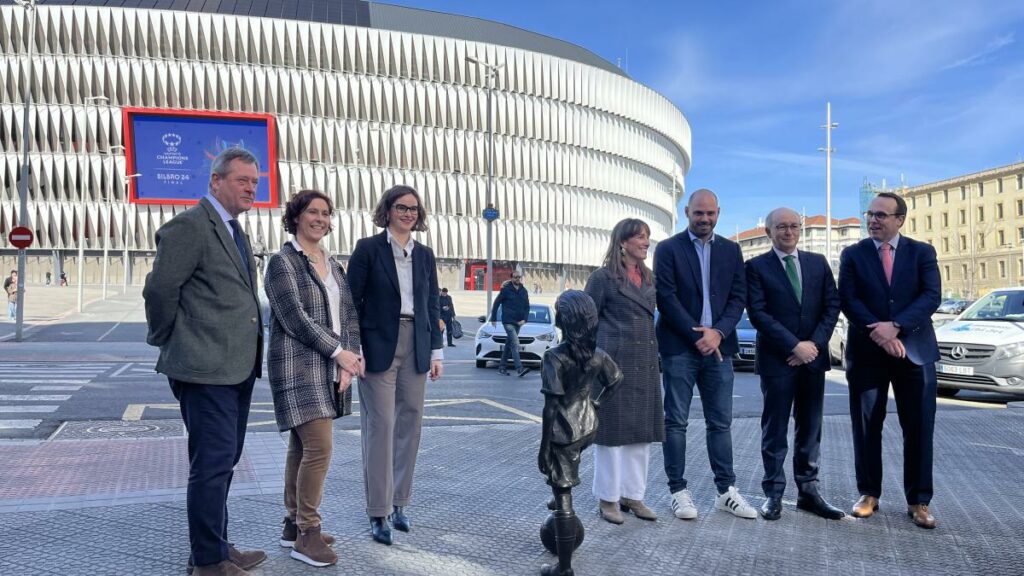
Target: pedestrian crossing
<point>29,390</point>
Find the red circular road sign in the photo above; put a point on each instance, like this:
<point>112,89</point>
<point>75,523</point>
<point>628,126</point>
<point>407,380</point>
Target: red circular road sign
<point>20,237</point>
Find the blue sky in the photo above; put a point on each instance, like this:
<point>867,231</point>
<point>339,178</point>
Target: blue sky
<point>927,89</point>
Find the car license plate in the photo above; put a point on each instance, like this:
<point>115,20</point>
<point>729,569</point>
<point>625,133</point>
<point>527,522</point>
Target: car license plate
<point>961,370</point>
<point>747,351</point>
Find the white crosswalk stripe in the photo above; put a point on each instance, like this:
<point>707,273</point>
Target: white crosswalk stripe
<point>22,385</point>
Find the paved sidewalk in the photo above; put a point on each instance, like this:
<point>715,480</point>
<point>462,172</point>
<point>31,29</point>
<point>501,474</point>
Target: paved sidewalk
<point>116,506</point>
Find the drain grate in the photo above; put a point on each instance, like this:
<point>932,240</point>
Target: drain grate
<point>107,429</point>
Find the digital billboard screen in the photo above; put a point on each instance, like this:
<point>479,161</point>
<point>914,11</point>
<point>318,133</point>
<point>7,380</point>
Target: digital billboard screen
<point>172,151</point>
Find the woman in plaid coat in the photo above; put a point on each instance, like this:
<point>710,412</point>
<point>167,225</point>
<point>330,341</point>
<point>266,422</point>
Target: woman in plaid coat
<point>633,418</point>
<point>314,354</point>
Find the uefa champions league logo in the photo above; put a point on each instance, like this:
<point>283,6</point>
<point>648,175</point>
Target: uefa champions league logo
<point>172,141</point>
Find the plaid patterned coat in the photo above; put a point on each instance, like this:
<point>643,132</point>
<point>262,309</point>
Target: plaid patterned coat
<point>625,330</point>
<point>303,376</point>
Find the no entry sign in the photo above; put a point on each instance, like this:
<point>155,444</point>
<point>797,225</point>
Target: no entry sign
<point>20,237</point>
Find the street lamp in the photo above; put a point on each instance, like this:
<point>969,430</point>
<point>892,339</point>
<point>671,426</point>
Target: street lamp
<point>828,150</point>
<point>125,232</point>
<point>81,201</point>
<point>30,8</point>
<point>490,213</point>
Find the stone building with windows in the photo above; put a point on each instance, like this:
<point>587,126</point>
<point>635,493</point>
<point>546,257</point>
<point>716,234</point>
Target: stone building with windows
<point>845,231</point>
<point>976,224</point>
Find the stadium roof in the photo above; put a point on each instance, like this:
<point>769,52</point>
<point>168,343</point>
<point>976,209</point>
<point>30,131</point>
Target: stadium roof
<point>373,15</point>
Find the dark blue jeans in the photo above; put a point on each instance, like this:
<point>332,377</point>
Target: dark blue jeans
<point>511,347</point>
<point>714,380</point>
<point>215,417</point>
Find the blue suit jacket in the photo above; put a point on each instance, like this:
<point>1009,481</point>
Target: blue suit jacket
<point>781,321</point>
<point>373,280</point>
<point>867,298</point>
<point>681,297</point>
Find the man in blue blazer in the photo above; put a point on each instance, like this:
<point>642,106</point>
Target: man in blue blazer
<point>701,291</point>
<point>889,287</point>
<point>793,303</point>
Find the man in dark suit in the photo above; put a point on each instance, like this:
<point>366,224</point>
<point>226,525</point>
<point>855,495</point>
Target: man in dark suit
<point>701,291</point>
<point>889,287</point>
<point>204,315</point>
<point>447,314</point>
<point>793,303</point>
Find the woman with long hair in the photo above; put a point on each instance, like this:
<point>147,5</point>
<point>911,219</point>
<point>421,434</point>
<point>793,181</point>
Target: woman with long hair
<point>314,354</point>
<point>394,285</point>
<point>629,421</point>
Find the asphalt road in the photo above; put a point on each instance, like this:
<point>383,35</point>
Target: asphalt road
<point>37,397</point>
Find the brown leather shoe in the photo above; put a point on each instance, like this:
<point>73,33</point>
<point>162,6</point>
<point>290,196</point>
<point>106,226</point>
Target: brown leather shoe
<point>246,559</point>
<point>290,533</point>
<point>222,568</point>
<point>865,507</point>
<point>921,516</point>
<point>638,508</point>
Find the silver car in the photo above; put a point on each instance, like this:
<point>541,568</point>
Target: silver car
<point>983,348</point>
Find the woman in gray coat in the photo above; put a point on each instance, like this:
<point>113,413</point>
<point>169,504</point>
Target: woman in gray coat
<point>633,418</point>
<point>314,354</point>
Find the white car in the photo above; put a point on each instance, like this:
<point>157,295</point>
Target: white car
<point>983,348</point>
<point>535,337</point>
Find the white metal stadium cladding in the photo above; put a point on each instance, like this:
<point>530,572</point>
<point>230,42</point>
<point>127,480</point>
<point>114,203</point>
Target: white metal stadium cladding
<point>577,147</point>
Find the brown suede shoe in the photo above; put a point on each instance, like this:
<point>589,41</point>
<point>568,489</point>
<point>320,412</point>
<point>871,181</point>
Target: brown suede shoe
<point>921,516</point>
<point>222,568</point>
<point>311,549</point>
<point>610,512</point>
<point>290,533</point>
<point>865,507</point>
<point>638,508</point>
<point>246,560</point>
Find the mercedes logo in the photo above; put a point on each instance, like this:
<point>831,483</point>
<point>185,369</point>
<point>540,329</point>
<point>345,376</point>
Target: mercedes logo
<point>958,353</point>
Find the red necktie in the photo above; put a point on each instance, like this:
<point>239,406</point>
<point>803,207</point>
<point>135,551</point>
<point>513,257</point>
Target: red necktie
<point>887,261</point>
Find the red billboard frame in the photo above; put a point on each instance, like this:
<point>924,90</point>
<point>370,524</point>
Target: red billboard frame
<point>129,149</point>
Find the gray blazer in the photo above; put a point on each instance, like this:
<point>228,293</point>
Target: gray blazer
<point>625,330</point>
<point>303,376</point>
<point>201,307</point>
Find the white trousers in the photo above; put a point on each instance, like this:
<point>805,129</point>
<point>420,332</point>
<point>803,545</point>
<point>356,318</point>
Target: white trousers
<point>621,471</point>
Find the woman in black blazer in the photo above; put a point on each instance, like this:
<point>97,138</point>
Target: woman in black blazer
<point>394,285</point>
<point>314,353</point>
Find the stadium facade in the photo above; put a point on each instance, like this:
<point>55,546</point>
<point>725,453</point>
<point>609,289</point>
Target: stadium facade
<point>364,96</point>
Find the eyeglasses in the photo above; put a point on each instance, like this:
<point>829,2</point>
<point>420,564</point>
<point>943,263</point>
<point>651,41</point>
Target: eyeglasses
<point>790,227</point>
<point>405,209</point>
<point>517,277</point>
<point>880,216</point>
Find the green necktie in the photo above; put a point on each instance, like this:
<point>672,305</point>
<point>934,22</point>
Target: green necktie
<point>794,278</point>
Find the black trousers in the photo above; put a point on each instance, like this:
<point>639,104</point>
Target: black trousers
<point>215,417</point>
<point>448,327</point>
<point>803,395</point>
<point>914,388</point>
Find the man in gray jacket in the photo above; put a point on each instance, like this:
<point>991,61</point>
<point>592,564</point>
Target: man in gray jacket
<point>204,314</point>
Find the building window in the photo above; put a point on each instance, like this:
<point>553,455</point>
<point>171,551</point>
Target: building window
<point>1002,237</point>
<point>945,248</point>
<point>963,216</point>
<point>929,199</point>
<point>945,196</point>
<point>963,192</point>
<point>928,222</point>
<point>1020,268</point>
<point>1020,181</point>
<point>945,219</point>
<point>981,213</point>
<point>963,271</point>
<point>1020,207</point>
<point>913,224</point>
<point>981,189</point>
<point>1020,234</point>
<point>963,242</point>
<point>999,186</point>
<point>1002,268</point>
<point>945,272</point>
<point>981,240</point>
<point>999,210</point>
<point>983,269</point>
<point>913,203</point>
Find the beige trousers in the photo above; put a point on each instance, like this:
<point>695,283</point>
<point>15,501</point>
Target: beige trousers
<point>305,470</point>
<point>390,413</point>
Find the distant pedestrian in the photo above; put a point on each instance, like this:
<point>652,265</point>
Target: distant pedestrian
<point>11,287</point>
<point>623,291</point>
<point>204,314</point>
<point>514,301</point>
<point>447,314</point>
<point>313,356</point>
<point>63,278</point>
<point>49,278</point>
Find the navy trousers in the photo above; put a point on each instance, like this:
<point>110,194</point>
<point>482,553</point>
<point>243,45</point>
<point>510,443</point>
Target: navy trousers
<point>215,417</point>
<point>803,395</point>
<point>914,388</point>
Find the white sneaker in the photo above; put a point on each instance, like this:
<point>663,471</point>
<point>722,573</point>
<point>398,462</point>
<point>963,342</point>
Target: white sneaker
<point>733,502</point>
<point>682,505</point>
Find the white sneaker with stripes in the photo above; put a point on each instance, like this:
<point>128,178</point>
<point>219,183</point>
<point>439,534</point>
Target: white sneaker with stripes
<point>682,505</point>
<point>731,501</point>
